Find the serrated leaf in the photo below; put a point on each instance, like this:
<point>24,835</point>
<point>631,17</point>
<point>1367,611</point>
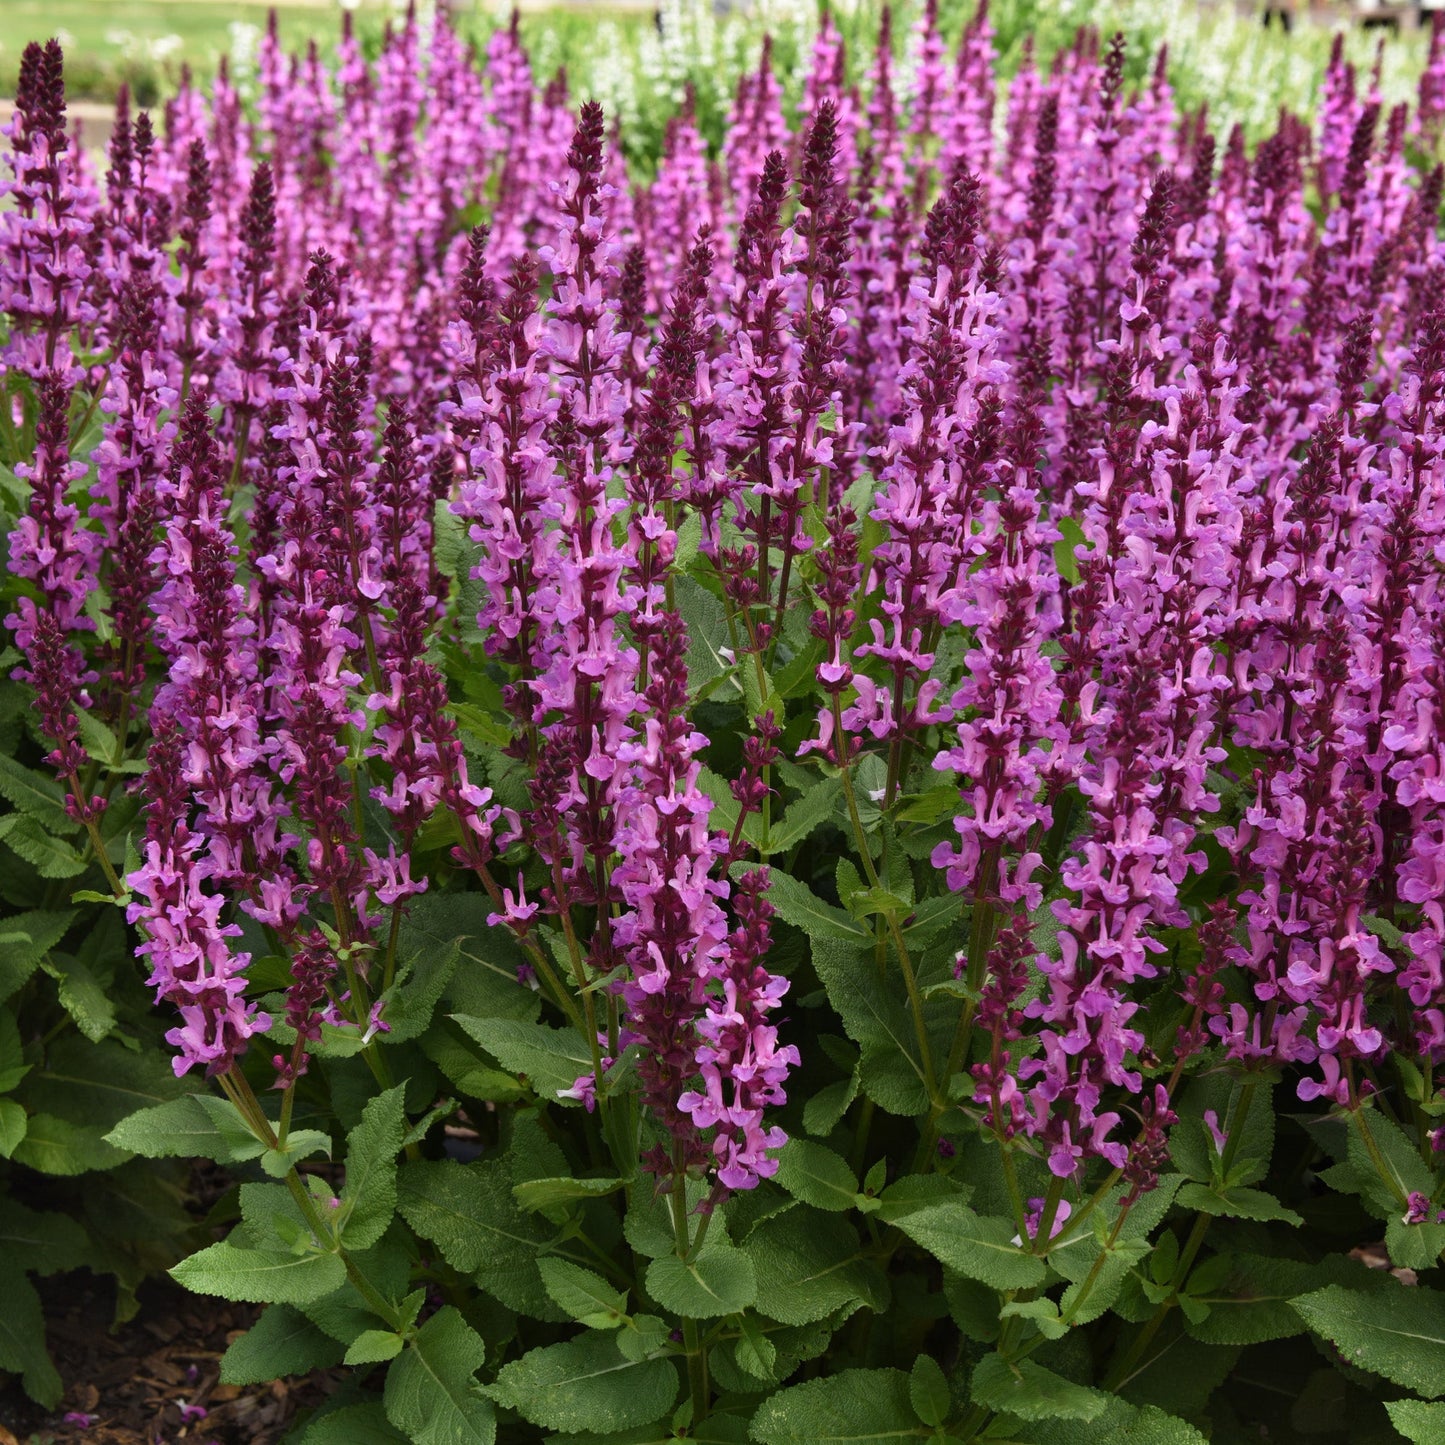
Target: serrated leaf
<point>813,1264</point>
<point>34,796</point>
<point>811,811</point>
<point>643,1336</point>
<point>1190,1144</point>
<point>1119,1424</point>
<point>706,624</point>
<point>98,1085</point>
<point>260,1276</point>
<point>282,1342</point>
<point>56,1146</point>
<point>469,1211</point>
<point>25,940</point>
<point>1399,1334</point>
<point>719,1281</point>
<point>583,1295</point>
<point>754,1351</point>
<point>368,1197</point>
<point>375,1347</point>
<point>181,1128</point>
<point>928,1390</point>
<point>22,1336</point>
<point>978,1246</point>
<point>278,1163</point>
<point>51,857</point>
<point>353,1425</point>
<point>1238,1203</point>
<point>825,1109</point>
<point>82,996</point>
<point>586,1383</point>
<point>853,1407</point>
<point>1025,1389</point>
<point>47,1241</point>
<point>817,1176</point>
<point>1418,1422</point>
<point>551,1059</point>
<point>542,1194</point>
<point>13,1124</point>
<point>877,1020</point>
<point>796,903</point>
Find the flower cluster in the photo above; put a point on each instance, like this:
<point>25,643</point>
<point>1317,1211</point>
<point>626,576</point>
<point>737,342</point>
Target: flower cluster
<point>1059,504</point>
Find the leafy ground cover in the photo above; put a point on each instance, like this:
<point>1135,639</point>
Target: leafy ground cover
<point>791,794</point>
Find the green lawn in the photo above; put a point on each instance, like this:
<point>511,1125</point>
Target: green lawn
<point>145,41</point>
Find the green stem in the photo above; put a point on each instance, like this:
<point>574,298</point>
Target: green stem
<point>696,1359</point>
<point>1124,1366</point>
<point>238,1089</point>
<point>905,963</point>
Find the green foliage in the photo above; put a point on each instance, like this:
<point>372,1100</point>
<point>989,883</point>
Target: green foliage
<point>860,1407</point>
<point>585,1383</point>
<point>282,1342</point>
<point>1028,1391</point>
<point>263,1276</point>
<point>1399,1333</point>
<point>432,1395</point>
<point>719,1281</point>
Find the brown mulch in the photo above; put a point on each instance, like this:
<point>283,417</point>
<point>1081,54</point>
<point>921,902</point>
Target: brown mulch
<point>132,1385</point>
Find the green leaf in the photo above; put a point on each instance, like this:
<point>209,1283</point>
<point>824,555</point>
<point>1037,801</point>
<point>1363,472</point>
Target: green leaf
<point>82,996</point>
<point>754,1351</point>
<point>1238,1203</point>
<point>706,632</point>
<point>1190,1143</point>
<point>796,903</point>
<point>1251,1304</point>
<point>25,940</point>
<point>1027,1390</point>
<point>1119,1424</point>
<point>469,1212</point>
<point>586,1383</point>
<point>541,1194</point>
<point>877,1020</point>
<point>260,1276</point>
<point>1071,536</point>
<point>374,1347</point>
<point>551,1059</point>
<point>98,1085</point>
<point>1399,1334</point>
<point>22,1336</point>
<point>13,1123</point>
<point>817,1176</point>
<point>368,1198</point>
<point>854,1407</point>
<point>278,1163</point>
<point>978,1246</point>
<point>52,857</point>
<point>353,1425</point>
<point>643,1336</point>
<point>1076,1253</point>
<point>824,1110</point>
<point>813,1264</point>
<point>1418,1422</point>
<point>47,1241</point>
<point>813,809</point>
<point>719,1281</point>
<point>181,1129</point>
<point>585,1296</point>
<point>928,1390</point>
<point>56,1146</point>
<point>282,1342</point>
<point>1414,1246</point>
<point>34,795</point>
